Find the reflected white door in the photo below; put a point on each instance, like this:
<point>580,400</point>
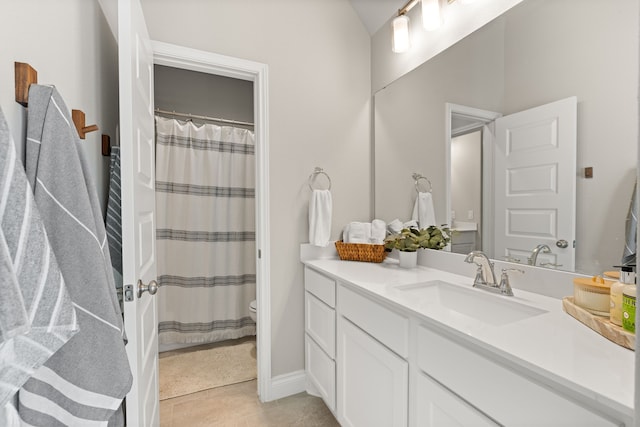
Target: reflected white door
<point>138,210</point>
<point>535,183</point>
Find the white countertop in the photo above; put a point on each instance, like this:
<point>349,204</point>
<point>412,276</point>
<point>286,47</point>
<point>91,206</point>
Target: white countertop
<point>553,345</point>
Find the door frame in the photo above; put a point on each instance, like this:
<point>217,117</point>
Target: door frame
<point>485,119</point>
<point>211,63</point>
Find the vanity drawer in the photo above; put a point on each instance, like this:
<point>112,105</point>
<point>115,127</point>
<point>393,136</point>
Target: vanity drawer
<point>321,286</point>
<point>384,324</point>
<point>321,372</point>
<point>503,394</point>
<point>320,323</point>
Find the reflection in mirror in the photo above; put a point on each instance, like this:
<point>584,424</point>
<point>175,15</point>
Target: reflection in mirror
<point>538,52</point>
<point>531,184</point>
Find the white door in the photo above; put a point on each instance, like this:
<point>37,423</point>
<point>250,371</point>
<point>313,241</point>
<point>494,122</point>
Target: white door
<point>535,183</point>
<point>138,211</point>
<point>372,381</point>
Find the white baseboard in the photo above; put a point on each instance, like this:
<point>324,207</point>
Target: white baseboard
<point>287,385</point>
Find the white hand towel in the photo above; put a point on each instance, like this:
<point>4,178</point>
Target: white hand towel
<point>378,231</point>
<point>423,210</point>
<point>320,207</point>
<point>359,232</point>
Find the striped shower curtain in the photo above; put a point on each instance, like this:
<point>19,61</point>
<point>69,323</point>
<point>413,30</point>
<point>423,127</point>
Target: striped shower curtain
<point>205,233</point>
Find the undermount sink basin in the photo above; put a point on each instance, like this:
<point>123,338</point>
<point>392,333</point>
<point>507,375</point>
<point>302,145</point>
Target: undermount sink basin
<point>478,305</point>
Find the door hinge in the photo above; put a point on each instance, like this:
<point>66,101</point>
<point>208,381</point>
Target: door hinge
<point>259,254</point>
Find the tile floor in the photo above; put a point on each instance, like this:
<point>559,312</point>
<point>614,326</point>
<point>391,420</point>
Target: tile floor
<point>238,405</point>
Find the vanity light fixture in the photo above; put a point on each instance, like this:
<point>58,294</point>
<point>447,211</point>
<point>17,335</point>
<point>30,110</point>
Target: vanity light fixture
<point>400,38</point>
<point>431,14</point>
<point>400,28</point>
<point>432,19</point>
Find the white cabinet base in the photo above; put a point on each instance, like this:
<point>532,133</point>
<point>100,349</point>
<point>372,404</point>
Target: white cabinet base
<point>438,407</point>
<point>372,381</point>
<point>321,373</point>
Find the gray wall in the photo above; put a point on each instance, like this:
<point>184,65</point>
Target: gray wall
<point>410,118</point>
<point>187,91</point>
<point>71,46</point>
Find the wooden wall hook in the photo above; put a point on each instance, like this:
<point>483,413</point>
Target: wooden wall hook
<point>106,145</point>
<point>79,120</point>
<point>25,76</point>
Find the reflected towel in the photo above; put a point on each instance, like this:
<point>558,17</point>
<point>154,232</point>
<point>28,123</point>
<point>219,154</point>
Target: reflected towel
<point>423,210</point>
<point>395,226</point>
<point>320,207</point>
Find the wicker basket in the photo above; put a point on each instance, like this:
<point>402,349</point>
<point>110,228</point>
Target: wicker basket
<point>360,252</point>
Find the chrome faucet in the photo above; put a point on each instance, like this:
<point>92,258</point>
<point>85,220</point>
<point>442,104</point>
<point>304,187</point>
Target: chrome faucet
<point>485,276</point>
<point>534,253</point>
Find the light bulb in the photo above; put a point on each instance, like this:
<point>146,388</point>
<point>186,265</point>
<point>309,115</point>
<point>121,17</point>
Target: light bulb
<point>400,41</point>
<point>431,14</point>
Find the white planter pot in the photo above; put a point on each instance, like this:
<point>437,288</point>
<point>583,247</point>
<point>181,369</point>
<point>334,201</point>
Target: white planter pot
<point>408,259</point>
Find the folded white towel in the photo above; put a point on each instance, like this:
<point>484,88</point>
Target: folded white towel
<point>320,207</point>
<point>423,210</point>
<point>359,232</point>
<point>378,231</point>
<point>410,224</point>
<point>395,226</point>
<point>345,233</point>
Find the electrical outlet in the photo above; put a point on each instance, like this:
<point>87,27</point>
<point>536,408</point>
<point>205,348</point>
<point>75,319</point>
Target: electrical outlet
<point>470,214</point>
<point>453,215</point>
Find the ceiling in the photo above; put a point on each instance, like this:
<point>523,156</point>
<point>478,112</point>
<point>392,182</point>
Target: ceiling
<point>374,13</point>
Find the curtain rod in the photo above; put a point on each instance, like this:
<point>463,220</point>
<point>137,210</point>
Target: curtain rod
<point>198,117</point>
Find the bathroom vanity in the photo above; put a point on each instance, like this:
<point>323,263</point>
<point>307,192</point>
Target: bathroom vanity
<point>387,346</point>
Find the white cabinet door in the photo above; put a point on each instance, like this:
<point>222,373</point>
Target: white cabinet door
<point>438,407</point>
<point>138,210</point>
<point>372,381</point>
<point>321,372</point>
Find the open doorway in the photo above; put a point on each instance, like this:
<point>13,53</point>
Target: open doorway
<point>469,179</point>
<point>254,74</point>
<point>205,230</point>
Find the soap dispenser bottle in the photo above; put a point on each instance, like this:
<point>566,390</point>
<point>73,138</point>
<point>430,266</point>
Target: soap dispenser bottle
<point>627,276</point>
<point>629,305</point>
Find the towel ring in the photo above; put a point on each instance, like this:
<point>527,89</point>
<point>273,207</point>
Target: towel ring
<point>417,177</point>
<point>318,171</point>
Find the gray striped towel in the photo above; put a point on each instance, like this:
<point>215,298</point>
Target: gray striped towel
<point>85,381</point>
<point>631,230</point>
<point>36,314</point>
<point>113,221</point>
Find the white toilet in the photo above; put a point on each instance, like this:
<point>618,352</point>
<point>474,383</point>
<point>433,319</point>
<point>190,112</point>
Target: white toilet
<point>253,308</point>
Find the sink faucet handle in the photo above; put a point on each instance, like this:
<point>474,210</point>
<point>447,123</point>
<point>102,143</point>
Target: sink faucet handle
<point>505,287</point>
<point>479,280</point>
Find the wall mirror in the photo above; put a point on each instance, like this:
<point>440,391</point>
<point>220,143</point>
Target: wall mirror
<point>536,53</point>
